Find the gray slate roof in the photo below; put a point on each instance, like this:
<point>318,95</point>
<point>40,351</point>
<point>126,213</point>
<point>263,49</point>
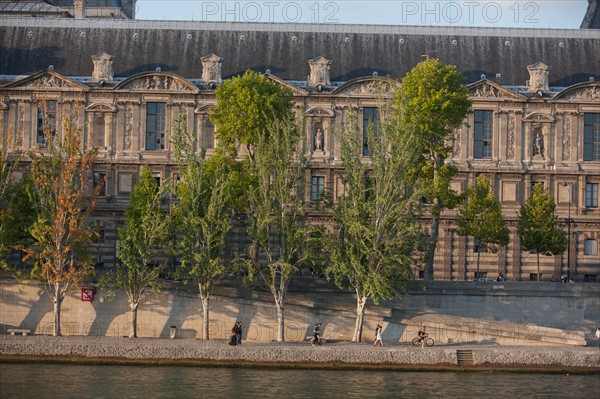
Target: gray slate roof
<point>29,7</point>
<point>28,45</point>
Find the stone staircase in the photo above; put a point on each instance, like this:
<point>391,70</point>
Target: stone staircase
<point>464,357</point>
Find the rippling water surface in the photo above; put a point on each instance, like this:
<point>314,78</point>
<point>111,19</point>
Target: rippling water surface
<point>74,381</point>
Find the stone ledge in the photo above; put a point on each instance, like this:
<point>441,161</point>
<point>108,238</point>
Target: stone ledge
<point>333,353</point>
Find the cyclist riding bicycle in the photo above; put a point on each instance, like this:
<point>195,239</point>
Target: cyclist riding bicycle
<point>422,336</point>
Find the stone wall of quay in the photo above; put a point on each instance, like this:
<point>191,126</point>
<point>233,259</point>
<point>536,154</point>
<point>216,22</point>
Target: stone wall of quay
<point>508,313</point>
<point>107,349</point>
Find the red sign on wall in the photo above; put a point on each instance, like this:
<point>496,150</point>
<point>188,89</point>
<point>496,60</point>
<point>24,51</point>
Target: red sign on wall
<point>87,294</point>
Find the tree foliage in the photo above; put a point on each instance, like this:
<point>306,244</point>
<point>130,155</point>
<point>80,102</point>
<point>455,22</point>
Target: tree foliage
<point>202,213</point>
<point>141,242</point>
<point>432,103</point>
<point>16,210</point>
<point>377,230</point>
<point>246,105</point>
<point>481,217</point>
<point>280,239</point>
<point>538,225</point>
<point>60,191</point>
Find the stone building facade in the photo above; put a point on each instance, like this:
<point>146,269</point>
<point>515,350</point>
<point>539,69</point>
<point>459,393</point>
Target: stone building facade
<point>535,119</point>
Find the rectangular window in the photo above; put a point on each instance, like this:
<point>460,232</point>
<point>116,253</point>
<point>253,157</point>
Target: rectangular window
<point>317,186</point>
<point>483,130</point>
<point>155,126</point>
<point>370,189</point>
<point>98,130</point>
<point>370,121</point>
<point>99,179</point>
<point>591,195</point>
<point>208,132</point>
<point>591,136</point>
<point>590,247</point>
<point>156,176</point>
<point>46,121</point>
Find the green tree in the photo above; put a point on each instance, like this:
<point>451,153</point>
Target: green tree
<point>377,229</point>
<point>141,242</point>
<point>202,214</point>
<point>16,211</point>
<point>432,103</point>
<point>17,215</point>
<point>60,191</point>
<point>538,226</point>
<point>280,239</point>
<point>481,217</point>
<point>246,105</point>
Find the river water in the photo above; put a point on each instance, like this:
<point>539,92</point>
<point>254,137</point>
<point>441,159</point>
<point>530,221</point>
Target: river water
<point>33,381</point>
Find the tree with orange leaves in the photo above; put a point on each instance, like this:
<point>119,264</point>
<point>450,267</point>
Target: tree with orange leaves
<point>61,174</point>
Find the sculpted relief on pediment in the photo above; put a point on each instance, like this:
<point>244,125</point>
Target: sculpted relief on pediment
<point>156,82</point>
<point>370,87</point>
<point>100,107</point>
<point>47,80</point>
<point>585,94</point>
<point>486,90</point>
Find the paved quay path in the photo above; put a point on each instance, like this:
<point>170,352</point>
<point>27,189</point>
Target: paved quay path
<point>342,353</point>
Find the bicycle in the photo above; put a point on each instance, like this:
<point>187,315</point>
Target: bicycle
<point>428,341</point>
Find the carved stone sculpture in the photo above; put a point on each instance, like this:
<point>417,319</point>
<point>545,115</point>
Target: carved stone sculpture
<point>211,69</point>
<point>103,69</point>
<point>319,138</point>
<point>319,72</point>
<point>538,142</point>
<point>538,77</point>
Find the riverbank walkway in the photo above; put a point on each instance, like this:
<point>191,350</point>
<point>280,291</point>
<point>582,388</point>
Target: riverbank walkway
<point>340,354</point>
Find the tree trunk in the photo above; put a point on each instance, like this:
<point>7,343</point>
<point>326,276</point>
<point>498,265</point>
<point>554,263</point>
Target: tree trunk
<point>57,303</point>
<point>478,257</point>
<point>435,225</point>
<point>537,253</point>
<point>134,309</point>
<point>280,322</point>
<point>205,315</point>
<point>360,316</point>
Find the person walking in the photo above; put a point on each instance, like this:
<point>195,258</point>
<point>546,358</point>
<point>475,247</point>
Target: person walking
<point>378,335</point>
<point>233,336</point>
<point>238,332</point>
<point>316,333</point>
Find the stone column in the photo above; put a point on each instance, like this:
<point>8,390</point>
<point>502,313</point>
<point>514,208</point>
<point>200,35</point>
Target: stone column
<point>340,117</point>
<point>499,143</point>
<point>107,132</point>
<point>461,268</point>
<point>447,259</point>
<point>516,256</point>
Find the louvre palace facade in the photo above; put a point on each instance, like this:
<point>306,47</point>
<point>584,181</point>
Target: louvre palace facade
<point>535,92</point>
